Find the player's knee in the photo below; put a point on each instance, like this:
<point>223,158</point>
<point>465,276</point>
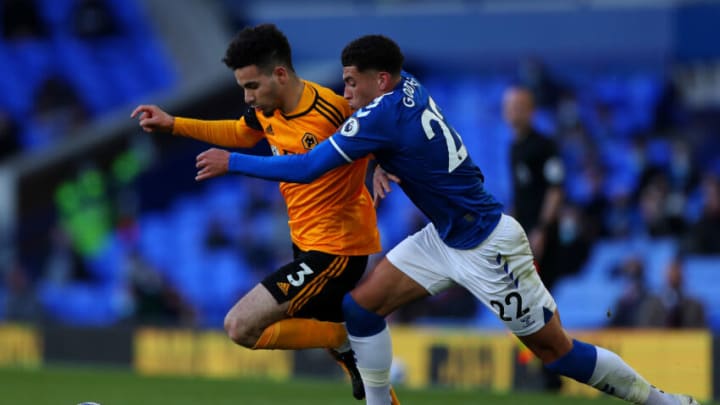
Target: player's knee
<point>358,320</point>
<point>238,332</point>
<point>578,363</point>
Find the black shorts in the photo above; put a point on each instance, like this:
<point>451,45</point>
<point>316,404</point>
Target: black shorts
<point>315,283</point>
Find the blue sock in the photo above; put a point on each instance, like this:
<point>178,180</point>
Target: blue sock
<point>578,363</point>
<point>359,321</point>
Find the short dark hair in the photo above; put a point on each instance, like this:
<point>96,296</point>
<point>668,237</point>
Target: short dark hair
<point>263,45</point>
<point>375,52</point>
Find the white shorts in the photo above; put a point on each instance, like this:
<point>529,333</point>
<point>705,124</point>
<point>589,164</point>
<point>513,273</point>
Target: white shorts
<point>500,272</point>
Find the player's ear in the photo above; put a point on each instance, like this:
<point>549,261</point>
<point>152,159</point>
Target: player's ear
<point>281,74</point>
<point>384,81</point>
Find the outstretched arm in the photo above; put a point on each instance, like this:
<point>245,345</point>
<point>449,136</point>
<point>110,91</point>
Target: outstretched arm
<point>238,133</point>
<point>301,168</point>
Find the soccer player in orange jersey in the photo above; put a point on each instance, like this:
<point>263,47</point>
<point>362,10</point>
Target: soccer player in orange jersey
<point>332,221</point>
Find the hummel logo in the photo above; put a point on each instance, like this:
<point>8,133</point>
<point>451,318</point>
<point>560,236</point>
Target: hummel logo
<point>527,321</point>
<point>284,287</point>
<point>269,130</point>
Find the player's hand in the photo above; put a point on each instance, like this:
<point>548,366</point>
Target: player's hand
<point>212,163</point>
<point>381,184</point>
<point>153,119</point>
<point>537,242</point>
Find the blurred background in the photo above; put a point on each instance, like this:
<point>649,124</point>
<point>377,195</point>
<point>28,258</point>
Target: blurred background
<point>105,236</point>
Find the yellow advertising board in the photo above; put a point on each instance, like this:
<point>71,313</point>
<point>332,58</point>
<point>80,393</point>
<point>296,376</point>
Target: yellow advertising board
<point>20,346</point>
<point>458,358</point>
<point>676,361</point>
<point>206,353</point>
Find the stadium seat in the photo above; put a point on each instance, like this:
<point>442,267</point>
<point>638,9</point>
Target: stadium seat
<point>583,301</point>
<point>657,253</point>
<point>702,281</point>
<point>3,298</point>
<point>84,304</point>
<point>107,264</point>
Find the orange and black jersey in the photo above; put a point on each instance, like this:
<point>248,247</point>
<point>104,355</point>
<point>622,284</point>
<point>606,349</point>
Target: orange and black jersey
<point>333,214</point>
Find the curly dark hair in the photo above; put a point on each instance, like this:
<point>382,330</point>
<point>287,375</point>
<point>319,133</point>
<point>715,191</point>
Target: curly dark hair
<point>375,52</point>
<point>263,45</point>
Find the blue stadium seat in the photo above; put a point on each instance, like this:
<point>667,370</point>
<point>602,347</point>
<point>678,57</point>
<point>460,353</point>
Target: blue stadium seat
<point>657,253</point>
<point>604,257</point>
<point>15,95</point>
<point>56,13</point>
<point>226,278</point>
<point>154,239</point>
<point>583,302</point>
<point>76,63</point>
<point>83,304</point>
<point>107,264</point>
<point>3,298</point>
<point>702,281</point>
<point>33,59</point>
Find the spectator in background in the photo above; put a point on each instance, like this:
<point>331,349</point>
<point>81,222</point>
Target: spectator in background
<point>21,302</point>
<point>9,137</point>
<point>538,175</point>
<point>20,19</point>
<point>682,311</point>
<point>155,301</point>
<point>703,237</point>
<point>58,108</point>
<point>93,19</point>
<point>575,237</point>
<point>63,263</point>
<point>215,236</point>
<point>621,218</point>
<point>534,76</point>
<point>637,307</point>
<point>669,109</point>
<point>661,214</point>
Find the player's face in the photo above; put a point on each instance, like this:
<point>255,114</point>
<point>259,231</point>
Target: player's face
<point>361,87</point>
<point>518,109</point>
<point>261,89</point>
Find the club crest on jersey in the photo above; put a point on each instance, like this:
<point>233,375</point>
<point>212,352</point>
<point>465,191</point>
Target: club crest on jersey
<point>351,127</point>
<point>309,141</point>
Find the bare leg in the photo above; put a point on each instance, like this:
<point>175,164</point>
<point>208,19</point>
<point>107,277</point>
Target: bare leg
<point>254,312</point>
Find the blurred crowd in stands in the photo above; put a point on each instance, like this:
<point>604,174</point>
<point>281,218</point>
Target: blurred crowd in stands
<point>65,63</point>
<point>639,162</point>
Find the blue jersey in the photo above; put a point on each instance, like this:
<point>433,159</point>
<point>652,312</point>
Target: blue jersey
<point>410,138</point>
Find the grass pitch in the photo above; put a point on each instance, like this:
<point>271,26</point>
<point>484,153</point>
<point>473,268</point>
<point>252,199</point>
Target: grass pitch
<point>71,386</point>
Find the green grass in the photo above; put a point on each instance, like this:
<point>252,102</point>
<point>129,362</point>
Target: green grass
<point>70,386</point>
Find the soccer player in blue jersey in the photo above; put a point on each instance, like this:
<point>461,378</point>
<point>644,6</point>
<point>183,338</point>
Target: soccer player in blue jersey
<point>469,241</point>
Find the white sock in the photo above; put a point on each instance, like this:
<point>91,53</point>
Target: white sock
<point>344,347</point>
<point>374,358</point>
<point>614,377</point>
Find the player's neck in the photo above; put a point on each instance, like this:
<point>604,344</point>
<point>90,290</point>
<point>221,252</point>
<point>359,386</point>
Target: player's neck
<point>295,91</point>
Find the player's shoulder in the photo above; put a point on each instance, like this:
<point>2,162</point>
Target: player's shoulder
<point>328,96</point>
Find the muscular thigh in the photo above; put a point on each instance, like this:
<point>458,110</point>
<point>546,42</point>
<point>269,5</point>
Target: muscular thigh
<point>501,273</point>
<point>313,285</point>
<point>258,309</point>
